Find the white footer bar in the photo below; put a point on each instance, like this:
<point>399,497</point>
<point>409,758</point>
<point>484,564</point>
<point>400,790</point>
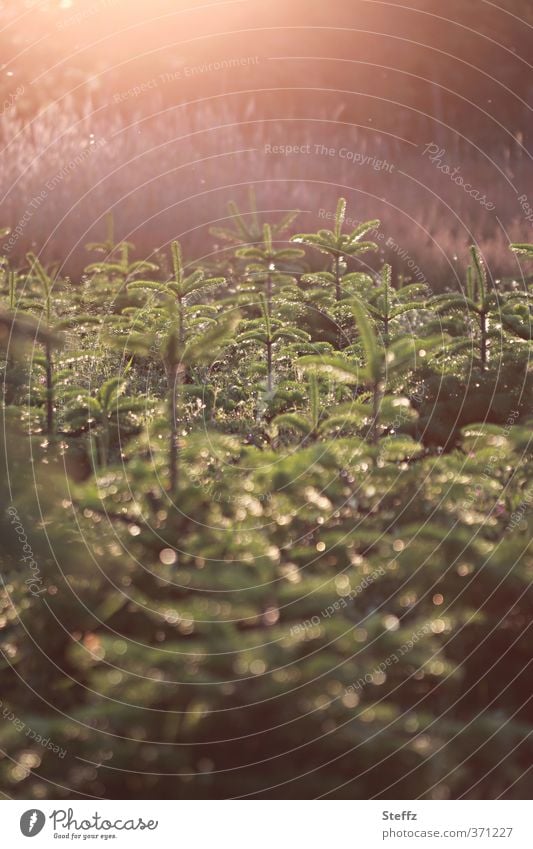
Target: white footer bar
<point>269,824</point>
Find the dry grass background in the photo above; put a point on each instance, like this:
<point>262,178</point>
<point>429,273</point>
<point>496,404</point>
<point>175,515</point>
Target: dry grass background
<point>377,78</point>
<point>171,174</point>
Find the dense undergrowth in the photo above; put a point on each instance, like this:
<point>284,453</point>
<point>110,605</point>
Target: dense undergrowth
<point>265,526</point>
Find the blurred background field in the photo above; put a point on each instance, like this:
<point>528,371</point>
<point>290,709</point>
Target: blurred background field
<point>161,113</point>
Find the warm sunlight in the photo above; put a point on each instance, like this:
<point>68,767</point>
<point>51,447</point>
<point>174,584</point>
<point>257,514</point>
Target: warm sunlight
<point>266,485</point>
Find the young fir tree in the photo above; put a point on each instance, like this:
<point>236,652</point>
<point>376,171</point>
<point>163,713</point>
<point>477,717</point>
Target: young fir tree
<point>188,336</point>
<point>339,247</point>
<point>267,269</point>
<point>267,332</point>
<point>486,305</point>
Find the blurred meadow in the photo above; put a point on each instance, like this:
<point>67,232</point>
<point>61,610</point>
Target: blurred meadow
<point>161,115</point>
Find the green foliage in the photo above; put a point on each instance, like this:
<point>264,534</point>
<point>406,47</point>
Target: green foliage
<point>266,269</point>
<point>381,364</point>
<point>122,268</point>
<point>266,331</point>
<point>101,414</point>
<point>260,549</point>
<point>523,249</point>
<point>486,305</point>
<point>108,247</point>
<point>386,304</point>
<point>339,246</point>
<point>190,336</point>
<point>247,227</point>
